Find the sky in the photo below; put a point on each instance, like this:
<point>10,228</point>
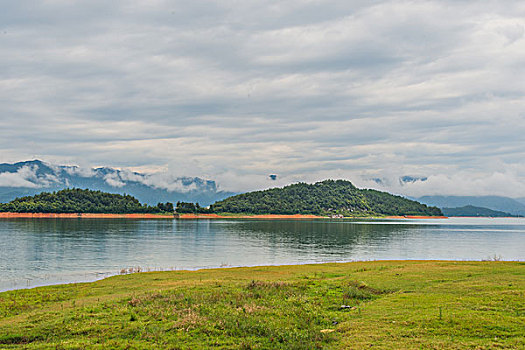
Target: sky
<point>235,91</point>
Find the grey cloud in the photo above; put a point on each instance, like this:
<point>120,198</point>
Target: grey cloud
<point>244,89</point>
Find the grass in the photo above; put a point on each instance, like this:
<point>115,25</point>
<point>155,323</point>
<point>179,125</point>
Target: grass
<point>380,304</point>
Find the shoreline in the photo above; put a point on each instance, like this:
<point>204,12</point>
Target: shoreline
<point>141,270</point>
<point>105,275</point>
<point>258,216</point>
<point>10,215</point>
<point>145,270</point>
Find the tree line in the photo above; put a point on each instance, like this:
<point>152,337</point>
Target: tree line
<point>82,201</point>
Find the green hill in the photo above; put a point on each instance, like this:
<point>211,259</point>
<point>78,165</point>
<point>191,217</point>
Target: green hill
<point>470,210</point>
<point>322,198</point>
<point>81,201</point>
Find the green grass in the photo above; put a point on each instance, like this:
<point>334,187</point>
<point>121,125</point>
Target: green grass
<point>387,305</point>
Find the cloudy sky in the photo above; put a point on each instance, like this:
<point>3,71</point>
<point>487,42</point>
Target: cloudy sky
<point>237,90</point>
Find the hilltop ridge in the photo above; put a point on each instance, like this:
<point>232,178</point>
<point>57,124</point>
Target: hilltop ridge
<point>328,197</point>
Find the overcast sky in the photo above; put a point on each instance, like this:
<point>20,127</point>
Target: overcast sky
<point>237,90</point>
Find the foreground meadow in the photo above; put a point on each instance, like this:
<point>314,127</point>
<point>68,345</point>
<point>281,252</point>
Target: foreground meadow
<point>379,304</point>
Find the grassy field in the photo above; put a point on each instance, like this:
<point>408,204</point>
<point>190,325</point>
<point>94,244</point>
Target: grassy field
<point>380,305</point>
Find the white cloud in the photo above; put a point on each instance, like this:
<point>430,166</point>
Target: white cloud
<point>161,180</point>
<point>507,184</point>
<point>26,176</point>
<point>113,179</point>
<point>79,171</point>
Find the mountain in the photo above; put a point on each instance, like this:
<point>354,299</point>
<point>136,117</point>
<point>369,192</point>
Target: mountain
<point>322,198</point>
<point>521,200</point>
<point>33,177</point>
<point>470,210</point>
<point>504,204</point>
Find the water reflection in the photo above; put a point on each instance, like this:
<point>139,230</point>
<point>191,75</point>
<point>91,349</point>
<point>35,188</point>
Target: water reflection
<point>44,251</point>
<point>319,233</point>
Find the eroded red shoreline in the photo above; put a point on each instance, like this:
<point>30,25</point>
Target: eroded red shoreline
<point>83,216</point>
<point>8,215</point>
<point>149,216</point>
<point>263,216</point>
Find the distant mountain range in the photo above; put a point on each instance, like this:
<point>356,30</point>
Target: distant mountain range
<point>33,177</point>
<point>502,204</point>
<point>472,211</point>
<point>521,200</point>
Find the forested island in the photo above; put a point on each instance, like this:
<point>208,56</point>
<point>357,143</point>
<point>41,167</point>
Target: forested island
<point>326,198</point>
<point>82,201</point>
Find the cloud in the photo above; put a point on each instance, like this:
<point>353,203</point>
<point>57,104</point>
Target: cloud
<point>508,184</point>
<point>161,180</point>
<point>119,178</point>
<point>235,91</point>
<point>79,171</point>
<point>114,180</point>
<point>26,176</point>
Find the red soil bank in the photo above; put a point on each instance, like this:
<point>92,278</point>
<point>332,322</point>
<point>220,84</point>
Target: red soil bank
<point>425,217</point>
<point>416,217</point>
<point>83,216</point>
<point>266,216</point>
<point>180,216</point>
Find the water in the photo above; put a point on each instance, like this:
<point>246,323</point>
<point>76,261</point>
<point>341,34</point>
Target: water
<point>48,251</point>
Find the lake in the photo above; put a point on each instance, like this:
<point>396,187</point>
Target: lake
<point>37,252</point>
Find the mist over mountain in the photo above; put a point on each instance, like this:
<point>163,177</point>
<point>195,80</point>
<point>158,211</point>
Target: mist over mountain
<point>503,204</point>
<point>33,177</point>
<point>402,180</point>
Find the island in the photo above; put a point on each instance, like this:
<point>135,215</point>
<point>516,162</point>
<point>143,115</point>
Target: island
<point>328,198</point>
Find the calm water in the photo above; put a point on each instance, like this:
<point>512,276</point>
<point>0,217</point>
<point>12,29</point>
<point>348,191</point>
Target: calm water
<point>48,251</point>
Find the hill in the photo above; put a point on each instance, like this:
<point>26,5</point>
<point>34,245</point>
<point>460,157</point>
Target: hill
<point>81,201</point>
<point>470,210</point>
<point>504,204</point>
<point>33,177</point>
<point>322,198</point>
